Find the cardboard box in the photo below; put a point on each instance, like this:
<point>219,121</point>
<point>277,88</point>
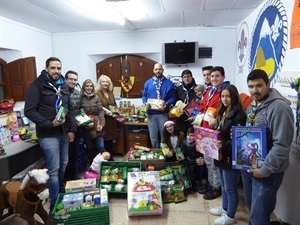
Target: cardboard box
<point>80,185</point>
<point>144,162</point>
<point>144,193</point>
<point>206,140</point>
<point>249,147</point>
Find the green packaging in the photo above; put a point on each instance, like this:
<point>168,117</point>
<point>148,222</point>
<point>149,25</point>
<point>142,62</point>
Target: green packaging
<point>62,112</point>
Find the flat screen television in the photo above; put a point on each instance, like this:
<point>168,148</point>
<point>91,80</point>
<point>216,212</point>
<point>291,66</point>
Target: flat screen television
<point>180,52</point>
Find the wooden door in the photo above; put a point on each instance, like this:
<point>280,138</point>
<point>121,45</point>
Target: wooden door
<point>139,67</point>
<point>19,74</point>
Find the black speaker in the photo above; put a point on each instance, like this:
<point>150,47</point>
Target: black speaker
<point>205,52</point>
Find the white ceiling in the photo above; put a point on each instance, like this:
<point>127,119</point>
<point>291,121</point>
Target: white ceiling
<point>60,16</point>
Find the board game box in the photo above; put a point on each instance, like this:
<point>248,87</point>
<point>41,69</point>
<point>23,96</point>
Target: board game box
<point>249,147</point>
<point>206,140</point>
<point>144,193</point>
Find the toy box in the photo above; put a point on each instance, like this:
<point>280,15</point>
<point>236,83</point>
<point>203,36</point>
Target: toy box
<point>249,147</point>
<point>144,193</point>
<point>206,140</point>
<point>80,185</point>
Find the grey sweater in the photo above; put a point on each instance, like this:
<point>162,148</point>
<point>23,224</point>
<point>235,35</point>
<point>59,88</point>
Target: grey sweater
<point>276,114</point>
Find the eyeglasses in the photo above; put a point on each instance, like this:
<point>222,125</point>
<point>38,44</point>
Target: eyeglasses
<point>73,79</point>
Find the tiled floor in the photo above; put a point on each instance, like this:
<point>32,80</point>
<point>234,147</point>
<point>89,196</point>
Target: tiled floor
<point>193,211</point>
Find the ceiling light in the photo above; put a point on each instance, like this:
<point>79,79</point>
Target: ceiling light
<point>131,9</point>
<point>99,9</point>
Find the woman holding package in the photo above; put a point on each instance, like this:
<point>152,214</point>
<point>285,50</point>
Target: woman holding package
<point>104,90</point>
<point>230,113</point>
<point>92,132</point>
<point>172,138</point>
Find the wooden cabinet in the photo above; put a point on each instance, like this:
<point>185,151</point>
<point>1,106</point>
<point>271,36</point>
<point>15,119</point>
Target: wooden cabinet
<point>136,66</point>
<point>137,139</point>
<point>18,75</point>
<point>119,144</point>
<point>136,134</point>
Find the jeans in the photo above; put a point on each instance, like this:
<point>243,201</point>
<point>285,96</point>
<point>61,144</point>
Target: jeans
<point>156,126</point>
<point>94,147</point>
<point>212,171</point>
<point>56,154</point>
<point>229,182</point>
<point>260,196</point>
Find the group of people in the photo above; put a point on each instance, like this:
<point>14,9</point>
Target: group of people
<point>59,139</point>
<point>269,109</point>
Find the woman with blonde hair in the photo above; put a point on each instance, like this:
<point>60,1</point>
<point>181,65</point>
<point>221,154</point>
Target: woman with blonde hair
<point>104,90</point>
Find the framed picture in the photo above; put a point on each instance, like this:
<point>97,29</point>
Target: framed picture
<point>249,147</point>
<point>206,140</point>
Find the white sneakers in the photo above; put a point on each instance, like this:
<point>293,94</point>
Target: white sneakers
<point>224,220</point>
<point>217,211</point>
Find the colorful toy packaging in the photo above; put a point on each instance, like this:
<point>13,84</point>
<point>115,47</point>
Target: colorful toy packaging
<point>144,193</point>
<point>206,140</point>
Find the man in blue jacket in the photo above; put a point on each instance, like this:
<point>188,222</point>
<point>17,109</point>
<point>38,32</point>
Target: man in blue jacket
<point>158,87</point>
<point>44,97</point>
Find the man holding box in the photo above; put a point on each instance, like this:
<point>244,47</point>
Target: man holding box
<point>45,97</point>
<point>272,110</point>
<point>158,89</point>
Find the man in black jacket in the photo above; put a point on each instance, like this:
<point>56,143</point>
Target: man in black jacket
<point>45,96</point>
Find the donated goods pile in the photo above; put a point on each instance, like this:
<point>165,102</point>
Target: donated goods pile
<point>86,200</point>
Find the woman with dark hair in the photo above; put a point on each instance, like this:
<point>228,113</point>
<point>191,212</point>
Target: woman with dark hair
<point>93,132</point>
<point>230,113</point>
<point>173,138</point>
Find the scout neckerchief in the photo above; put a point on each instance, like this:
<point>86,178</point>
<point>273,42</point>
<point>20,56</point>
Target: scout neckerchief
<point>58,101</point>
<point>157,83</point>
<point>254,110</point>
<point>187,97</point>
<point>222,119</point>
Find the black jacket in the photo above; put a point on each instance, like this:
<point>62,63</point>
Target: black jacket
<point>40,107</point>
<point>234,118</point>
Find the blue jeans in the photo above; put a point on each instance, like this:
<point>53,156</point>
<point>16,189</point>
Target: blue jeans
<point>56,154</point>
<point>212,172</point>
<point>156,126</point>
<point>229,182</point>
<point>94,146</point>
<point>260,196</point>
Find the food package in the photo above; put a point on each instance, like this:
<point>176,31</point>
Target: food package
<point>157,104</point>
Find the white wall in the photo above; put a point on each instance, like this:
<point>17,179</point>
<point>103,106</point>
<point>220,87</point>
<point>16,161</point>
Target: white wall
<point>20,41</point>
<point>81,51</point>
<point>288,204</point>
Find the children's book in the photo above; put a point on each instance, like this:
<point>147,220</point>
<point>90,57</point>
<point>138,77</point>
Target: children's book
<point>249,147</point>
<point>206,140</point>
